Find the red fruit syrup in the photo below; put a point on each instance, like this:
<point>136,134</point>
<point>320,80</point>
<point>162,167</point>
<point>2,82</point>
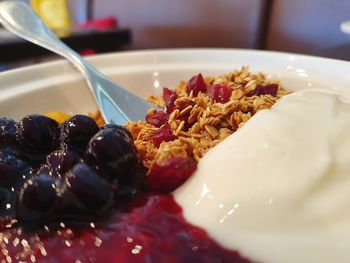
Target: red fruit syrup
<point>153,229</point>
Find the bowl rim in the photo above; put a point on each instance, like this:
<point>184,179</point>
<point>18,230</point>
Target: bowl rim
<point>100,58</point>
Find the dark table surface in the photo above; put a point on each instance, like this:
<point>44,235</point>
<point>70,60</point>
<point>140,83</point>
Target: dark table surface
<point>13,49</point>
<point>338,52</point>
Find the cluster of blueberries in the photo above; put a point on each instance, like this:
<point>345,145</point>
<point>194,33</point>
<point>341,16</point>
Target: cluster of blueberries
<point>51,172</point>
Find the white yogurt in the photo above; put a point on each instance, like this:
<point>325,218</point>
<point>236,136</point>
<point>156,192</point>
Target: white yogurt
<point>278,190</point>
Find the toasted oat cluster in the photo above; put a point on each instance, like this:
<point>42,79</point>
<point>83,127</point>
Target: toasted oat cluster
<point>200,113</point>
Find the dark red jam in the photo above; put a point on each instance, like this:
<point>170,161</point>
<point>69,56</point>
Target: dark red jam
<point>75,192</point>
<point>152,230</point>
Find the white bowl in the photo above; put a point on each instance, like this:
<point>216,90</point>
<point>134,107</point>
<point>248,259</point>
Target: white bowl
<point>58,87</point>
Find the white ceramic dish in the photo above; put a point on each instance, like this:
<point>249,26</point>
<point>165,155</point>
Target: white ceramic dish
<point>57,86</point>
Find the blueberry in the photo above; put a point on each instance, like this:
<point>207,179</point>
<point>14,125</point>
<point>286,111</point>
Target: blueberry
<point>90,192</point>
<point>4,197</point>
<point>121,130</point>
<point>37,199</point>
<point>77,131</point>
<point>45,169</point>
<point>113,155</point>
<point>6,203</point>
<point>37,134</point>
<point>13,171</point>
<point>59,162</point>
<point>7,132</point>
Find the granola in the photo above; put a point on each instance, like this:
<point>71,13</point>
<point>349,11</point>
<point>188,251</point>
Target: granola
<point>200,122</point>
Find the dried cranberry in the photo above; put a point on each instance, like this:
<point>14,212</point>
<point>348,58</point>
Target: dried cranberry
<point>259,90</point>
<point>157,118</point>
<point>220,93</point>
<point>169,97</point>
<point>172,173</point>
<point>184,117</point>
<point>196,84</point>
<point>163,134</point>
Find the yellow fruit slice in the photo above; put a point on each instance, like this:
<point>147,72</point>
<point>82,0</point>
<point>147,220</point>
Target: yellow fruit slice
<point>58,116</point>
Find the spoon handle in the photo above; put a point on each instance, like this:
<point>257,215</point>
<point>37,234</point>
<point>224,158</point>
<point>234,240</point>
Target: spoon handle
<point>117,105</point>
<point>30,27</point>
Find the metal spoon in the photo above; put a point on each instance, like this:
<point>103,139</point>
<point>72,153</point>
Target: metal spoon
<point>116,104</point>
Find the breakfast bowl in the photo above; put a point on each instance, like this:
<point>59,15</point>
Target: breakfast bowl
<point>188,225</point>
<point>56,86</point>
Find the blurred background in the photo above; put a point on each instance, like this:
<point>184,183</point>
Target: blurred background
<point>98,26</point>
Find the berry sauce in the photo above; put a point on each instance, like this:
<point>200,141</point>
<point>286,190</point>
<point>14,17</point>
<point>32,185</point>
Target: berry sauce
<point>152,229</point>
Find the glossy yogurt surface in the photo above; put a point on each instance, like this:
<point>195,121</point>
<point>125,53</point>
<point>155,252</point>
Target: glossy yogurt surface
<point>278,190</point>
